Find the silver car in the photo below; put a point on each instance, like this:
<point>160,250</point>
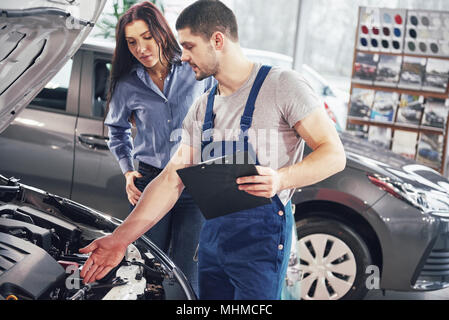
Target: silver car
<point>59,143</point>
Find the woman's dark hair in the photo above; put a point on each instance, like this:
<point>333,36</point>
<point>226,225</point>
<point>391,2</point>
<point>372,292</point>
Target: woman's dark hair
<point>123,60</point>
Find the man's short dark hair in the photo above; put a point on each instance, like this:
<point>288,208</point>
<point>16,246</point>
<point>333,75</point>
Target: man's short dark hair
<point>204,17</point>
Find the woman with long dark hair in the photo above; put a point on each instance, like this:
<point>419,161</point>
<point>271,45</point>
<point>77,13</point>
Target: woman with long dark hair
<point>151,88</point>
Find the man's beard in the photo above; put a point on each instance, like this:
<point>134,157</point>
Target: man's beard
<point>210,71</point>
<point>206,74</point>
<point>203,75</point>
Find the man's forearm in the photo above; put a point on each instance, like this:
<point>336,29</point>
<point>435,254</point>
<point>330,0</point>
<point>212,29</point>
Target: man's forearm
<point>157,199</point>
<point>322,163</point>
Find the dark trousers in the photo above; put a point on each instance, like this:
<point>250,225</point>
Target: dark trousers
<point>177,234</point>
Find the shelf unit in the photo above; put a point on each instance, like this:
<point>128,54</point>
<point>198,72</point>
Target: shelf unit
<point>394,125</point>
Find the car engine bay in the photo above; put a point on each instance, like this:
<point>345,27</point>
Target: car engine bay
<point>40,238</point>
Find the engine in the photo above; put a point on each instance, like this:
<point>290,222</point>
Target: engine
<point>39,259</point>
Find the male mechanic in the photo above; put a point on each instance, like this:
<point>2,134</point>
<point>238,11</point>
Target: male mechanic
<point>242,255</point>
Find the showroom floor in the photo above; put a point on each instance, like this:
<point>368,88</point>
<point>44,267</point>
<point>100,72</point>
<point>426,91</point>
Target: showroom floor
<point>394,295</point>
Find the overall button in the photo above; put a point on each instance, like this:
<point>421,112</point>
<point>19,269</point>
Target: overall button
<point>280,247</point>
<point>281,213</point>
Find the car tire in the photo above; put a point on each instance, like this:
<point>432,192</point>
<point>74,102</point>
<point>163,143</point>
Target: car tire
<point>333,260</point>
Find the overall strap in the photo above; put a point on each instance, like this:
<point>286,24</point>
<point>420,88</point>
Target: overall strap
<point>209,117</point>
<point>247,118</point>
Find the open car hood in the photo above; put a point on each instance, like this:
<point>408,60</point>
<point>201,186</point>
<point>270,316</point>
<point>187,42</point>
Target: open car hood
<point>37,38</point>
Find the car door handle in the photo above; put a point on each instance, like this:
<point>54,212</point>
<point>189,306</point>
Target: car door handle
<point>93,141</point>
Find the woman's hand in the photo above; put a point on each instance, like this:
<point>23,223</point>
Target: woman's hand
<point>131,190</point>
<point>106,253</point>
<point>267,184</point>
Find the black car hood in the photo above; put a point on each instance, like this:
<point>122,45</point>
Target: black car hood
<point>376,160</point>
<point>405,174</point>
<point>37,38</point>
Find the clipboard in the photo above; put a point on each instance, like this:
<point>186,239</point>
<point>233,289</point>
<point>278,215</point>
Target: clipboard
<point>213,186</point>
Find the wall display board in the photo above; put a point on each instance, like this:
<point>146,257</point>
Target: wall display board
<point>399,88</point>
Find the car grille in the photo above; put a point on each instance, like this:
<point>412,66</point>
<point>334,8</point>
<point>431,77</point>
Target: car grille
<point>435,271</point>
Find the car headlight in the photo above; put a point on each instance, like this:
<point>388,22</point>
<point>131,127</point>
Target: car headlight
<point>403,191</point>
<point>439,203</point>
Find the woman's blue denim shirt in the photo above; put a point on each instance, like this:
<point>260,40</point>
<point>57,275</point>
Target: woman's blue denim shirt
<point>157,114</point>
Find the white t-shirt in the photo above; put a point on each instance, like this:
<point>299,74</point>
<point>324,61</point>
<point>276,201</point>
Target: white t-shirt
<point>284,99</point>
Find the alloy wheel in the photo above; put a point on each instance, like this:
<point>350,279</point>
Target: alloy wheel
<point>328,267</point>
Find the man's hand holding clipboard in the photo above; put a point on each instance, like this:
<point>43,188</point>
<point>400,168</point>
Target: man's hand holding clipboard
<point>266,184</point>
<point>221,187</point>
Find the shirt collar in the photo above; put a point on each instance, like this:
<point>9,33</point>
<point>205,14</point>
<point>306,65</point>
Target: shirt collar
<point>138,67</point>
<point>135,67</point>
<point>139,70</point>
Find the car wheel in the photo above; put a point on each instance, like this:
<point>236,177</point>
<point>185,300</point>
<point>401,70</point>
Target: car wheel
<point>333,260</point>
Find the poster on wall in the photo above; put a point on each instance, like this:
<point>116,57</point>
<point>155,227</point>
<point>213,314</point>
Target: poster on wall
<point>405,106</point>
<point>430,150</point>
<point>388,71</point>
<point>365,68</point>
<point>410,109</point>
<point>404,143</point>
<point>384,106</point>
<point>358,130</point>
<point>435,113</point>
<point>426,33</point>
<point>412,73</point>
<point>437,75</point>
<point>381,29</point>
<point>361,103</point>
<point>379,136</point>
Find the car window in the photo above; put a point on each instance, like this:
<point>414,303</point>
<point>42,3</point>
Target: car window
<point>102,70</point>
<point>54,94</point>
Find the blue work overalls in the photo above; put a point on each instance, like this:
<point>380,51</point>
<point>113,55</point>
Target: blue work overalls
<point>243,255</point>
